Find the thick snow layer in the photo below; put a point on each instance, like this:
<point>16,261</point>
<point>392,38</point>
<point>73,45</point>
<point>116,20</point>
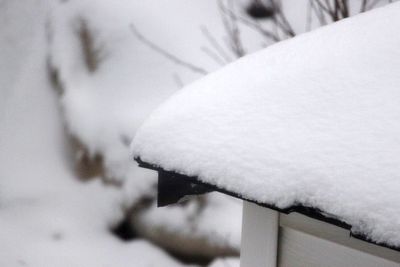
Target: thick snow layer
<point>313,120</point>
<point>48,217</point>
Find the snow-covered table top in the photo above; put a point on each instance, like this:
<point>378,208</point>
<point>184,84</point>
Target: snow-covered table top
<point>312,121</point>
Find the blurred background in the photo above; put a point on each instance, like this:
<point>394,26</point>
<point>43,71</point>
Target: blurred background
<point>77,78</point>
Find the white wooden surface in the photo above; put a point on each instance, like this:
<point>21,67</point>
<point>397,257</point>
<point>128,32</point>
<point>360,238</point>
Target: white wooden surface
<point>259,236</point>
<point>304,242</point>
<point>334,234</point>
<point>298,249</point>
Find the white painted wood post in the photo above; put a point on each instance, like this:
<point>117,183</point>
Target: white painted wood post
<point>260,228</point>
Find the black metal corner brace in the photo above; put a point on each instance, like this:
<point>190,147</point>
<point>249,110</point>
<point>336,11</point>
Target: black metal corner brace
<point>172,189</point>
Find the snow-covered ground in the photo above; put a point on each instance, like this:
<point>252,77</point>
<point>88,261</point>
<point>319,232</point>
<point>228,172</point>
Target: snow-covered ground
<point>48,217</point>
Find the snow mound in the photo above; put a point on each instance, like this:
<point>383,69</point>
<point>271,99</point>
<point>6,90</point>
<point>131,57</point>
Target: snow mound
<point>313,121</point>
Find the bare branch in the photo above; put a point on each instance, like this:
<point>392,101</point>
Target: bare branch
<point>309,15</point>
<point>363,6</point>
<point>281,19</point>
<point>214,43</point>
<point>165,53</point>
<point>92,52</point>
<point>230,22</point>
<point>319,13</point>
<point>372,4</point>
<point>254,25</point>
<point>327,9</point>
<point>345,8</point>
<point>213,55</point>
<point>177,80</point>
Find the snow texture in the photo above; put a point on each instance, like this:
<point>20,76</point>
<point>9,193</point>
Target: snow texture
<point>227,262</point>
<point>104,108</point>
<point>48,217</point>
<point>198,220</point>
<point>313,121</point>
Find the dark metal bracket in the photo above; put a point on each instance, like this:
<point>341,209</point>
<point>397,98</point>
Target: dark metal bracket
<point>174,187</point>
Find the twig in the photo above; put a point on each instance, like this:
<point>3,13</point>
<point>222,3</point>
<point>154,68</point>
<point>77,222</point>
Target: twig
<point>92,52</point>
<point>213,55</point>
<point>363,6</point>
<point>284,23</point>
<point>165,53</point>
<point>254,25</point>
<point>345,8</point>
<point>236,40</point>
<point>177,80</point>
<point>324,8</point>
<point>372,4</point>
<point>231,26</point>
<point>319,13</point>
<point>309,16</point>
<point>214,43</point>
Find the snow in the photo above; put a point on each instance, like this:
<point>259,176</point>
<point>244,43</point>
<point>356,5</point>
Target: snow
<point>104,108</point>
<point>196,222</point>
<point>227,262</point>
<point>48,217</point>
<point>313,120</point>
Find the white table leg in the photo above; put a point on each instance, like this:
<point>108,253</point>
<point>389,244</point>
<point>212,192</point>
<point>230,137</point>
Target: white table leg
<point>260,228</point>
